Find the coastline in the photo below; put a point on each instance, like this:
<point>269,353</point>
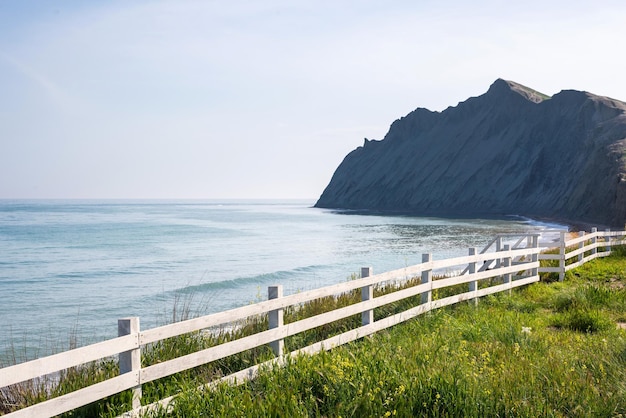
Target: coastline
<point>547,221</point>
<point>573,226</point>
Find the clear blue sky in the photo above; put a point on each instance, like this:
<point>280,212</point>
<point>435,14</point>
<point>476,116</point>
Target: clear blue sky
<point>263,98</point>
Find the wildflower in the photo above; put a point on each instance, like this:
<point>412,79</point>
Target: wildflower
<point>526,330</point>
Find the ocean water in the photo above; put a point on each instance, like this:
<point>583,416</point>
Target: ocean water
<point>70,269</point>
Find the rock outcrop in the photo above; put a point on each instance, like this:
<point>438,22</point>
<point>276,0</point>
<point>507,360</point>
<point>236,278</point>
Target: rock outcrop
<point>510,151</point>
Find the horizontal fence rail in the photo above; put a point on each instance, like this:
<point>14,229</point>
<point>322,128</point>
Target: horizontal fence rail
<point>507,262</point>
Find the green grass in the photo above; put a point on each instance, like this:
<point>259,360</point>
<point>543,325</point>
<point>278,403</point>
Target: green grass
<point>551,349</point>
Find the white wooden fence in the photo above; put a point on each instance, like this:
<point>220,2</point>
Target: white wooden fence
<point>505,263</point>
<point>575,252</point>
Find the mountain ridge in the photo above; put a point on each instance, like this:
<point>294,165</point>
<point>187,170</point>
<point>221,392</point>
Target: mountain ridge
<point>511,150</point>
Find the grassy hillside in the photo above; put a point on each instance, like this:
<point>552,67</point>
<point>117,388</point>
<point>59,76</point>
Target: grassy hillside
<point>550,349</point>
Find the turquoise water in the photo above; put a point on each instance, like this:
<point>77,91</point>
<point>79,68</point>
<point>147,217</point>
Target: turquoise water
<point>70,269</point>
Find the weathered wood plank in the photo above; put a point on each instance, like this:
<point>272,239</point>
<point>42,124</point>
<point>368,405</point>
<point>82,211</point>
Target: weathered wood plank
<point>549,257</point>
<point>549,269</point>
<point>481,275</point>
<point>208,355</point>
<point>583,238</point>
<point>78,398</point>
<point>582,250</point>
<point>456,261</point>
<point>61,361</point>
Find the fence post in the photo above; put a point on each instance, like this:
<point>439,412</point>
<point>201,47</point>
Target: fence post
<point>473,285</point>
<point>276,318</point>
<point>498,249</point>
<point>607,239</point>
<point>581,245</point>
<point>535,257</point>
<point>427,277</point>
<point>594,240</point>
<point>130,361</point>
<point>562,256</point>
<point>506,262</point>
<point>367,293</point>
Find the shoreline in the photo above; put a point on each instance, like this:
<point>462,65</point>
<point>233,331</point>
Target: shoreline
<point>571,225</point>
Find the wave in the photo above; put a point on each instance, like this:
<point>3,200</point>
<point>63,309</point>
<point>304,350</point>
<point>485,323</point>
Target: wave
<point>541,224</point>
<point>274,277</point>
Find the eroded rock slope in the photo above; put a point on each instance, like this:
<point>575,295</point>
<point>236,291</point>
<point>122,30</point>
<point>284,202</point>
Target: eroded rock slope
<point>510,151</point>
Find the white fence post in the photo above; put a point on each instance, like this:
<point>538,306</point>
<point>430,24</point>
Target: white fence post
<point>581,245</point>
<point>471,268</point>
<point>276,318</point>
<point>367,293</point>
<point>607,239</point>
<point>506,262</point>
<point>535,257</point>
<point>130,361</point>
<point>498,249</point>
<point>427,277</point>
<point>594,240</point>
<point>562,256</point>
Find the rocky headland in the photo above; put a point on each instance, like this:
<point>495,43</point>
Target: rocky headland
<point>510,151</point>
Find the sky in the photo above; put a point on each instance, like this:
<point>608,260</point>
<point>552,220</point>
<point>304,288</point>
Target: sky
<point>234,99</point>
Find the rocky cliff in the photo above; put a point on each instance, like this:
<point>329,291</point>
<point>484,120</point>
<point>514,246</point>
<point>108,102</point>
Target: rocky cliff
<point>510,151</point>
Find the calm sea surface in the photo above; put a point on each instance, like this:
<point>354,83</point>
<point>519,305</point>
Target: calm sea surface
<point>72,268</point>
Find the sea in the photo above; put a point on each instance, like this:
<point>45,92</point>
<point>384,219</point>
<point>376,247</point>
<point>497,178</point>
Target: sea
<point>69,269</point>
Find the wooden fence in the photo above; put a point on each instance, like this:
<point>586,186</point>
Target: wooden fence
<point>507,262</point>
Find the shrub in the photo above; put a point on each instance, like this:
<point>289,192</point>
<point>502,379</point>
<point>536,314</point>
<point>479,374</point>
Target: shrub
<point>582,320</point>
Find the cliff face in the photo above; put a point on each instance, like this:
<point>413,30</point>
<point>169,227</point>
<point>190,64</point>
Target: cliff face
<point>509,151</point>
